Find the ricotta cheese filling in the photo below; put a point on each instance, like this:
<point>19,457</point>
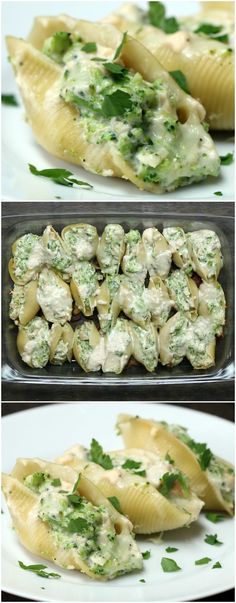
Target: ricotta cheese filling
<point>37,346</point>
<point>82,242</point>
<point>54,297</point>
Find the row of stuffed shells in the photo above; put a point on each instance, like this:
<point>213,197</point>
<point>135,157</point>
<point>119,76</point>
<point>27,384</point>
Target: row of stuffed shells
<point>68,520</point>
<point>138,255</point>
<point>210,477</point>
<point>61,127</point>
<point>207,63</point>
<point>138,478</point>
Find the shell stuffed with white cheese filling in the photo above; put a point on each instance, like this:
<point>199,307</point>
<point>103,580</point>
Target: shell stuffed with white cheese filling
<point>73,130</point>
<point>159,301</point>
<point>201,345</point>
<point>205,252</point>
<point>107,302</point>
<point>23,304</point>
<point>212,305</point>
<point>28,259</point>
<point>145,345</point>
<point>173,339</point>
<point>88,347</point>
<point>118,347</point>
<point>57,256</point>
<point>211,478</point>
<point>110,249</point>
<point>184,291</point>
<point>84,286</point>
<point>65,518</point>
<point>134,301</point>
<point>54,297</point>
<point>133,262</point>
<point>177,239</point>
<point>158,253</point>
<point>61,343</point>
<point>149,490</point>
<point>33,342</point>
<point>81,240</point>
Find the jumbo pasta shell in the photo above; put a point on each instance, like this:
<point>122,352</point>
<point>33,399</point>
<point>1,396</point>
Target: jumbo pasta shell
<point>37,536</point>
<point>83,249</point>
<point>151,435</point>
<point>64,333</point>
<point>28,307</point>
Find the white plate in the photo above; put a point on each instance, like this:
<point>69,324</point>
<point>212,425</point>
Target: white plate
<point>46,432</point>
<point>19,147</point>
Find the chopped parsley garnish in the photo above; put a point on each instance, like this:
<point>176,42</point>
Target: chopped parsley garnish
<point>134,466</point>
<point>203,561</point>
<point>120,47</point>
<point>96,455</point>
<point>204,454</point>
<point>146,555</point>
<point>59,176</point>
<point>169,480</point>
<point>79,525</point>
<point>218,193</point>
<point>56,482</point>
<point>89,47</point>
<point>169,565</point>
<point>75,499</point>
<point>115,502</point>
<point>39,570</point>
<point>171,549</point>
<point>212,539</point>
<point>116,103</point>
<point>216,565</point>
<point>215,517</point>
<point>116,69</point>
<point>142,580</point>
<point>157,18</point>
<point>141,473</point>
<point>9,99</point>
<point>180,79</point>
<point>211,31</point>
<point>75,486</point>
<point>226,159</point>
<point>169,459</point>
<point>37,479</point>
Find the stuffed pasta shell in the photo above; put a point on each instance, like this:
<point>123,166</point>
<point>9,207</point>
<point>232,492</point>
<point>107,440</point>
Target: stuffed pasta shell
<point>81,240</point>
<point>118,347</point>
<point>61,343</point>
<point>33,342</point>
<point>158,253</point>
<point>145,345</point>
<point>201,343</point>
<point>24,305</point>
<point>111,249</point>
<point>173,338</point>
<point>184,291</point>
<point>134,301</point>
<point>56,253</point>
<point>212,305</point>
<point>54,297</point>
<point>159,301</point>
<point>134,260</point>
<point>210,477</point>
<point>205,252</point>
<point>177,240</point>
<point>107,302</point>
<point>88,347</point>
<point>84,287</point>
<point>113,126</point>
<point>65,518</point>
<point>150,490</point>
<point>28,259</point>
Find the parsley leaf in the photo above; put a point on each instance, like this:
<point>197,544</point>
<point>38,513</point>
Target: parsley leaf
<point>216,565</point>
<point>157,18</point>
<point>75,499</point>
<point>226,159</point>
<point>39,570</point>
<point>212,539</point>
<point>89,47</point>
<point>169,480</point>
<point>215,517</point>
<point>208,29</point>
<point>204,454</point>
<point>120,47</point>
<point>56,482</point>
<point>115,502</point>
<point>116,69</point>
<point>142,580</point>
<point>203,561</point>
<point>78,525</point>
<point>116,103</point>
<point>96,455</point>
<point>130,464</point>
<point>146,555</point>
<point>9,99</point>
<point>218,193</point>
<point>169,459</point>
<point>59,176</point>
<point>171,549</point>
<point>181,80</point>
<point>141,473</point>
<point>169,565</point>
<point>224,38</point>
<point>75,486</point>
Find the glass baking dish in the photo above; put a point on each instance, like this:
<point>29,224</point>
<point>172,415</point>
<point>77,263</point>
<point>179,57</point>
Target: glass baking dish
<point>70,375</point>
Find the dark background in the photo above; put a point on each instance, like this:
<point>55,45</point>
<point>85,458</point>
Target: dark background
<point>223,409</point>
